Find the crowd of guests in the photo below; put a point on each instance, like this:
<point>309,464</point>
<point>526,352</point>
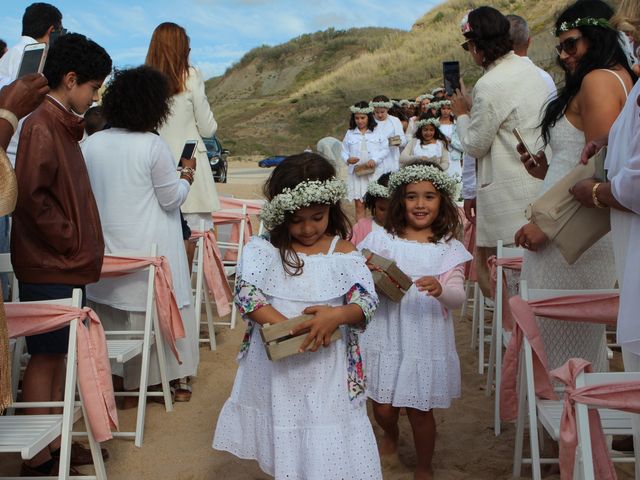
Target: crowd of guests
<point>108,182</point>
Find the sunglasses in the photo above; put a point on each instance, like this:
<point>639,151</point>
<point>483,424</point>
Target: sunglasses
<point>569,46</point>
<point>465,45</point>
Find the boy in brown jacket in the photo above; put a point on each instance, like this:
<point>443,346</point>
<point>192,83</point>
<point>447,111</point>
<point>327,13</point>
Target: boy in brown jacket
<point>56,239</point>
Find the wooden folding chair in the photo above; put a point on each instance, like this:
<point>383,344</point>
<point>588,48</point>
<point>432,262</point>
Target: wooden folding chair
<point>29,434</point>
<point>123,348</point>
<point>201,293</point>
<point>547,413</point>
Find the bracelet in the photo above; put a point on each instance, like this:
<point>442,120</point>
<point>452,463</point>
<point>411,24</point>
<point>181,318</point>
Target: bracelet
<point>10,117</point>
<point>594,196</point>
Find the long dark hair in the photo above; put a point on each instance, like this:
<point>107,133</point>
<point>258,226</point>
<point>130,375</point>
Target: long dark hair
<point>289,173</point>
<point>370,200</point>
<point>489,33</point>
<point>371,121</point>
<point>604,51</point>
<point>445,227</point>
<point>437,136</point>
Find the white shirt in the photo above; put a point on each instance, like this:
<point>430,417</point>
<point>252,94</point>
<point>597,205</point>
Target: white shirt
<point>377,148</point>
<point>392,127</point>
<point>548,79</point>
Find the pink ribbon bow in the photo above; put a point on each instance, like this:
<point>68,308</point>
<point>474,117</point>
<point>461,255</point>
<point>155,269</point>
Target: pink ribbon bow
<point>510,263</point>
<point>94,370</point>
<point>169,317</point>
<point>214,274</point>
<point>620,396</point>
<point>253,206</point>
<point>596,308</point>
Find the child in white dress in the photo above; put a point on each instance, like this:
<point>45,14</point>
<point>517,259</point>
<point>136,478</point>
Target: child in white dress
<point>409,349</point>
<point>427,144</point>
<point>363,145</point>
<point>304,416</point>
<point>449,129</point>
<point>389,127</point>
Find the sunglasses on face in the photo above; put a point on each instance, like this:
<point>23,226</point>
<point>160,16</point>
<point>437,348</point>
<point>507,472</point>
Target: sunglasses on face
<point>465,46</point>
<point>568,46</point>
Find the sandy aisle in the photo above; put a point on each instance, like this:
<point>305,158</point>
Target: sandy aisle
<point>177,445</point>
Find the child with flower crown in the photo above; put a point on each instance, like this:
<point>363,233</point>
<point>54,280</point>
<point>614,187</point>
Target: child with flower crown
<point>376,201</point>
<point>304,416</point>
<point>449,129</point>
<point>409,348</point>
<point>390,128</point>
<point>363,146</point>
<point>427,144</point>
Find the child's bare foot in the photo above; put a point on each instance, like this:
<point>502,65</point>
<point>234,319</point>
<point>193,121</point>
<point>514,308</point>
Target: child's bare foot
<point>423,474</point>
<point>389,444</point>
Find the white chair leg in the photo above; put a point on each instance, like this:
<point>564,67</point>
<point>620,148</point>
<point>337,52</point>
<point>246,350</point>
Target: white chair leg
<point>492,352</point>
<point>69,405</point>
<point>467,289</point>
<point>474,316</point>
<point>533,424</point>
<point>209,311</point>
<point>94,446</point>
<point>480,332</point>
<point>144,384</point>
<point>519,440</point>
<point>234,314</point>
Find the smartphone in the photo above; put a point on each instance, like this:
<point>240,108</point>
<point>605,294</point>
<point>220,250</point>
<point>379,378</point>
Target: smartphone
<point>520,139</point>
<point>451,73</point>
<point>188,151</point>
<point>33,58</point>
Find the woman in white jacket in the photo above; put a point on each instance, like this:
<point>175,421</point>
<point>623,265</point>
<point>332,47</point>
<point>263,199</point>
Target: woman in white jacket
<point>190,118</point>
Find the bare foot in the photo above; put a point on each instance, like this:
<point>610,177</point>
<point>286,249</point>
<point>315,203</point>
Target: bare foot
<point>389,444</point>
<point>423,474</point>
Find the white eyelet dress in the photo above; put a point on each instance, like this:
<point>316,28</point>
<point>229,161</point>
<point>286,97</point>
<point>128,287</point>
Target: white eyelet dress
<point>295,416</point>
<point>409,348</point>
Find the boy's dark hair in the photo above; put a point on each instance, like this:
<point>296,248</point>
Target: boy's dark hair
<point>137,99</point>
<point>3,45</point>
<point>370,200</point>
<point>438,135</point>
<point>37,19</point>
<point>371,121</point>
<point>446,225</point>
<point>398,113</point>
<point>76,53</point>
<point>380,98</point>
<point>490,33</point>
<point>290,172</point>
<point>94,120</point>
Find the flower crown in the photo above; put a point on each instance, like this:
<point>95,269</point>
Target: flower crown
<point>363,110</point>
<point>465,26</point>
<point>428,121</point>
<point>304,194</point>
<point>444,103</point>
<point>376,190</point>
<point>420,173</point>
<point>386,105</point>
<point>426,95</point>
<point>407,103</point>
<point>437,90</point>
<point>583,22</point>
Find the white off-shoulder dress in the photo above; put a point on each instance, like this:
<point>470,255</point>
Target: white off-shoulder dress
<point>302,417</point>
<point>409,348</point>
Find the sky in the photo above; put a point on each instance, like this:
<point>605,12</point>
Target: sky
<point>221,31</point>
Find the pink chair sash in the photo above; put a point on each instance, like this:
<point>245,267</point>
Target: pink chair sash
<point>214,275</point>
<point>253,206</point>
<point>596,308</point>
<point>233,218</point>
<point>510,263</point>
<point>169,317</point>
<point>621,396</point>
<point>94,370</point>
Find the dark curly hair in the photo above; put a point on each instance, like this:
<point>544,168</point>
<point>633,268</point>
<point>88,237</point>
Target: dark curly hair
<point>446,225</point>
<point>137,99</point>
<point>489,33</point>
<point>371,121</point>
<point>76,53</point>
<point>604,52</point>
<point>290,172</point>
<point>370,200</point>
<point>438,135</point>
<point>38,18</point>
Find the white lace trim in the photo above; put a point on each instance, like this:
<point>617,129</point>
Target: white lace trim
<point>325,277</point>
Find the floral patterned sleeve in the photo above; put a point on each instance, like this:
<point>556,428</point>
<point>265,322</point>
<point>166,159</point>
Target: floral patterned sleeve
<point>367,302</point>
<point>248,299</point>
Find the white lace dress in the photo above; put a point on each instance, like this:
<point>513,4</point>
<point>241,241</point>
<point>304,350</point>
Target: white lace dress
<point>296,416</point>
<point>547,268</point>
<point>409,348</point>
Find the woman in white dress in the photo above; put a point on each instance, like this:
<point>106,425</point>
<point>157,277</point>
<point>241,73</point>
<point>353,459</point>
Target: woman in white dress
<point>597,80</point>
<point>139,193</point>
<point>390,128</point>
<point>428,143</point>
<point>363,147</point>
<point>449,130</point>
<point>190,117</point>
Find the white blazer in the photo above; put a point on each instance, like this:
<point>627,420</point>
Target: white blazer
<point>191,118</point>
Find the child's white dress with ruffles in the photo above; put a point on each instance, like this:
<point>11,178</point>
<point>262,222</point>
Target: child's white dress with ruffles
<point>297,417</point>
<point>409,348</point>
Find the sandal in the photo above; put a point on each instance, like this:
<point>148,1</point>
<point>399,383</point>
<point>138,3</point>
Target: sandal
<point>181,389</point>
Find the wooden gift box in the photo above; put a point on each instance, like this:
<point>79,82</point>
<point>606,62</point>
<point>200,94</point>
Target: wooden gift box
<point>280,344</point>
<point>362,170</point>
<point>390,281</point>
<point>395,141</point>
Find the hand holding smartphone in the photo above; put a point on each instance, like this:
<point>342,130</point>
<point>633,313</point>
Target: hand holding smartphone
<point>451,74</point>
<point>188,152</point>
<point>33,58</point>
<point>520,139</point>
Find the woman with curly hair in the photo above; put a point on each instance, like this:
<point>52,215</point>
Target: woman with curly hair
<point>139,194</point>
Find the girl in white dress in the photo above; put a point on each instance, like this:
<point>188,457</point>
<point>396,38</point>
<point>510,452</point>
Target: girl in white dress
<point>409,348</point>
<point>377,201</point>
<point>449,129</point>
<point>363,146</point>
<point>390,128</point>
<point>303,417</point>
<point>428,144</point>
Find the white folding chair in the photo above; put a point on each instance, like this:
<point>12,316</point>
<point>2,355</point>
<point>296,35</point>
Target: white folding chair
<point>549,412</point>
<point>29,434</point>
<point>201,293</point>
<point>122,348</point>
<point>479,324</point>
<point>499,336</point>
<point>18,345</point>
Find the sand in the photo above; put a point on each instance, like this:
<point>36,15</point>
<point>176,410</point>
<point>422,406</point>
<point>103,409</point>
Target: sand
<point>177,445</point>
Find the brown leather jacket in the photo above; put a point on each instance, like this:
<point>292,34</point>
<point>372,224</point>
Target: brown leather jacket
<point>56,235</point>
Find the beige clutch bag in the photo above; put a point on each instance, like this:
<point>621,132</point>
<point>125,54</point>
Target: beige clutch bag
<point>8,185</point>
<point>572,227</point>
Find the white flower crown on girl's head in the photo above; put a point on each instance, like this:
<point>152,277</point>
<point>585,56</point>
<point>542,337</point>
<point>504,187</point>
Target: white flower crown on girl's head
<point>420,173</point>
<point>363,110</point>
<point>428,121</point>
<point>305,194</point>
<point>583,22</point>
<point>376,190</point>
<point>435,105</point>
<point>426,95</point>
<point>437,90</point>
<point>444,103</point>
<point>406,103</point>
<point>386,105</point>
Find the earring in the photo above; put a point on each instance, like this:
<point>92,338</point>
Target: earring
<point>475,51</point>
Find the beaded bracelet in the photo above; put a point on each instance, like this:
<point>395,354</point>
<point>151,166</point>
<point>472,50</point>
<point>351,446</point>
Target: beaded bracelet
<point>594,196</point>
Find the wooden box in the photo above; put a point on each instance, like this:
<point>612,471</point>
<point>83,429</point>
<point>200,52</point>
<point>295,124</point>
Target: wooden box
<point>395,141</point>
<point>390,281</point>
<point>280,344</point>
<point>363,169</point>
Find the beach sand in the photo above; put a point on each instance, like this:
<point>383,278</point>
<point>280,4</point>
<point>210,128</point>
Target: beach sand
<point>177,445</point>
